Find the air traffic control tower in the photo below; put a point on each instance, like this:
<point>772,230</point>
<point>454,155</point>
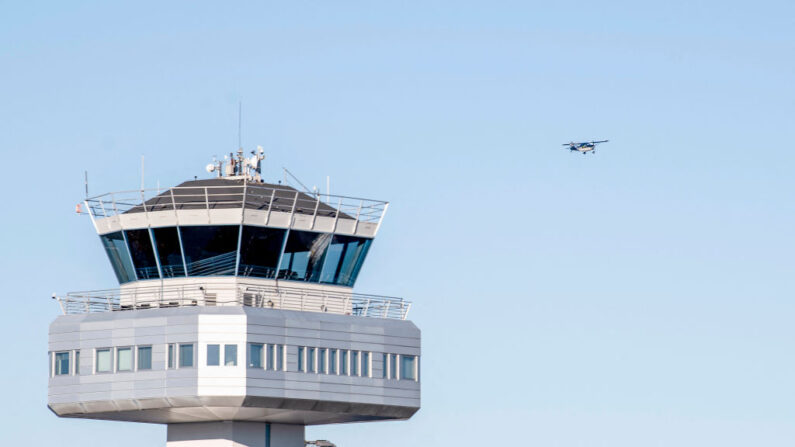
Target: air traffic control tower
<point>235,322</point>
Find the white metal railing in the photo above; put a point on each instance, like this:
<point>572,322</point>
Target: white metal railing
<point>245,196</point>
<point>252,295</point>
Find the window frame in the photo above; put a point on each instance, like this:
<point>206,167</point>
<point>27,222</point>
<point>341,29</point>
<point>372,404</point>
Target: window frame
<point>112,362</point>
<point>138,357</point>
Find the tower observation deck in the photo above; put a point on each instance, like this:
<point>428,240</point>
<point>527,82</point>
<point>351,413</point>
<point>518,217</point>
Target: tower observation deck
<point>235,322</point>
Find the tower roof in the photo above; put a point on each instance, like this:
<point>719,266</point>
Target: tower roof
<point>219,193</point>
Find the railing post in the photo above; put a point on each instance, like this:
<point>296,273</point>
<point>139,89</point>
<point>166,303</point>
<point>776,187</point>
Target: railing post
<point>337,215</point>
<point>314,215</point>
<point>207,203</point>
<point>270,205</point>
<point>358,213</point>
<point>386,309</point>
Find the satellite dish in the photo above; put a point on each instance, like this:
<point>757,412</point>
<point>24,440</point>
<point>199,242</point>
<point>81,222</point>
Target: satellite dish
<point>210,167</point>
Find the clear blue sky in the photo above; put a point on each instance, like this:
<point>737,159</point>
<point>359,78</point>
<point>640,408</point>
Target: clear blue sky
<point>639,296</point>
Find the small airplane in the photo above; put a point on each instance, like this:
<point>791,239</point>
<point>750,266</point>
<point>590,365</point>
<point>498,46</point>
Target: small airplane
<point>584,147</point>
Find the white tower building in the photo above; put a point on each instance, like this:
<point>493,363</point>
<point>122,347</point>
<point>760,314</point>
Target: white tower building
<point>235,322</point>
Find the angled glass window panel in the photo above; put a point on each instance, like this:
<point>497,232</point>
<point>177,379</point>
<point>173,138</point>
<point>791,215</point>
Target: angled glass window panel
<point>344,259</point>
<point>142,253</point>
<point>119,256</point>
<point>213,355</point>
<point>61,363</point>
<point>303,256</point>
<point>104,362</point>
<point>255,355</point>
<point>124,359</point>
<point>230,355</point>
<point>186,356</point>
<point>210,250</point>
<point>144,357</point>
<point>259,251</point>
<point>168,251</point>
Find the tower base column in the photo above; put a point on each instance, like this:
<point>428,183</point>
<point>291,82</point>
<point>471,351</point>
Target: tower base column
<point>234,434</point>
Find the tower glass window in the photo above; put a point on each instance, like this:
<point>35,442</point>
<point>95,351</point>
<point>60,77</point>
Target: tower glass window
<point>408,367</point>
<point>213,355</point>
<point>255,357</point>
<point>61,363</point>
<point>344,259</point>
<point>303,256</point>
<point>332,361</point>
<point>355,363</point>
<point>311,360</point>
<point>169,252</point>
<point>170,361</point>
<point>259,251</point>
<point>210,250</point>
<point>185,355</point>
<point>280,357</point>
<point>142,253</point>
<point>393,363</point>
<point>104,361</point>
<point>366,364</point>
<point>124,359</point>
<point>301,359</point>
<point>119,256</point>
<point>230,355</point>
<point>144,357</point>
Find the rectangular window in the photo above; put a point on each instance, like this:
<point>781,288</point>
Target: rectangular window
<point>124,359</point>
<point>366,365</point>
<point>77,362</point>
<point>230,355</point>
<point>280,357</point>
<point>144,357</point>
<point>332,361</point>
<point>354,363</point>
<point>312,359</point>
<point>344,368</point>
<point>408,367</point>
<point>271,357</point>
<point>301,359</point>
<point>104,360</point>
<point>62,363</point>
<point>171,363</point>
<point>186,355</point>
<point>385,361</point>
<point>213,355</point>
<point>323,361</point>
<point>255,355</point>
<point>393,363</point>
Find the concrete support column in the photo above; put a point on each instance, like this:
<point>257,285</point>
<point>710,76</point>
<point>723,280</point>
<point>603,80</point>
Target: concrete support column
<point>235,434</point>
